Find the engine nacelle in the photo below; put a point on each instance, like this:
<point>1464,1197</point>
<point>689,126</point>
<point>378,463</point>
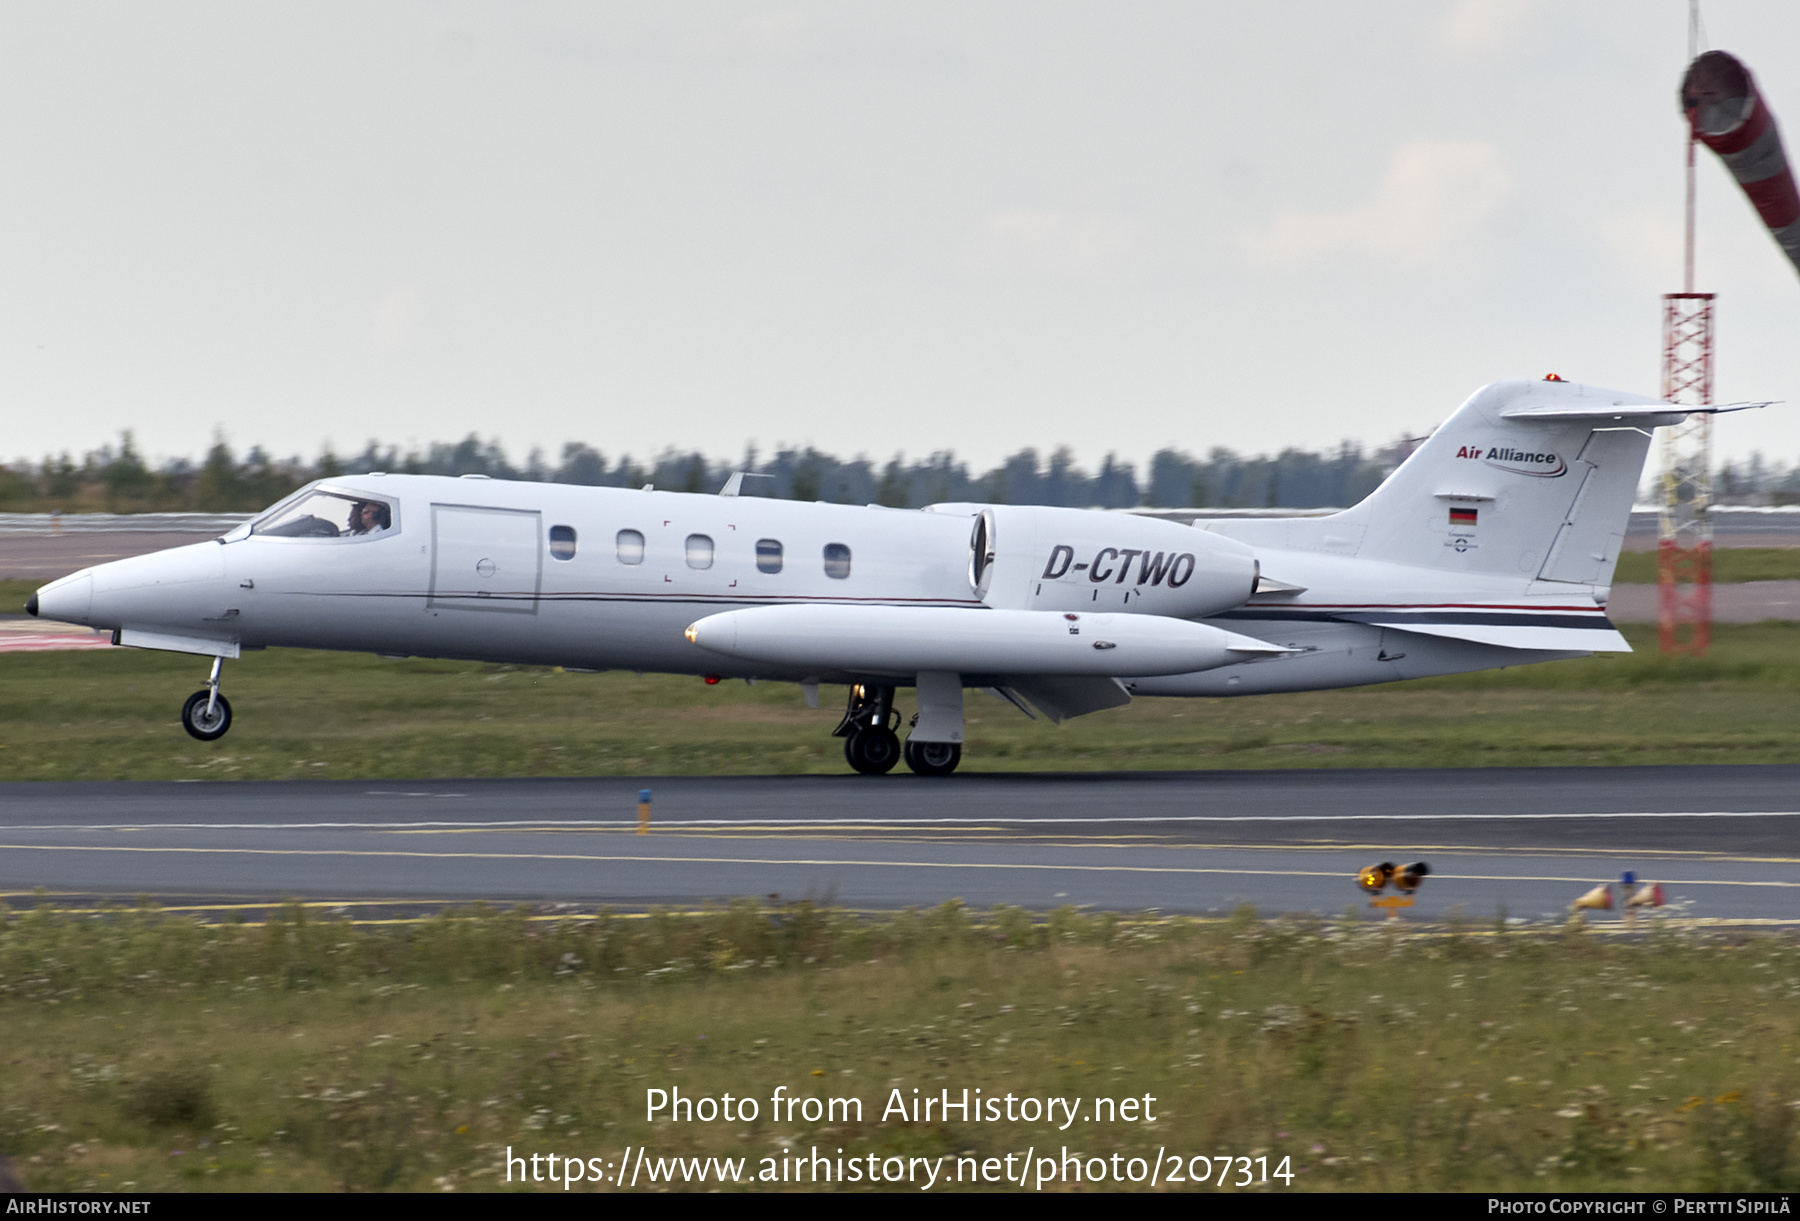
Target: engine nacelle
<point>1030,557</point>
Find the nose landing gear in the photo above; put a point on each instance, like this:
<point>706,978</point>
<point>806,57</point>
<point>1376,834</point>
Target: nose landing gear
<point>207,715</point>
<point>873,752</point>
<point>870,744</point>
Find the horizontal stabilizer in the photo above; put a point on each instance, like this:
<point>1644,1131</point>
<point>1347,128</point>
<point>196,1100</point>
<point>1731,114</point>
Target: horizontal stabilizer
<point>1647,413</point>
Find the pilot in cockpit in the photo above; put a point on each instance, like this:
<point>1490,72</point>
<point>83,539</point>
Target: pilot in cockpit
<point>370,517</point>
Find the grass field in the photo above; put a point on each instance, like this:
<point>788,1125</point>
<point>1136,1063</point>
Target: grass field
<point>1730,565</point>
<point>150,1053</point>
<point>112,714</point>
<point>155,1054</point>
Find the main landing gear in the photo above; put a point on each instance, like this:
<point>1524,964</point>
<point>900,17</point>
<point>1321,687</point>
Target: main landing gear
<point>873,748</point>
<point>207,715</point>
<point>933,758</point>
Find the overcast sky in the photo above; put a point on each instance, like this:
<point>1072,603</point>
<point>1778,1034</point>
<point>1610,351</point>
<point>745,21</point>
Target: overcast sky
<point>873,228</point>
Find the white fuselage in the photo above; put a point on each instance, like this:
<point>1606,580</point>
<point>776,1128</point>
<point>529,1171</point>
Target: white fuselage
<point>469,569</point>
<point>465,572</point>
<point>422,589</point>
<point>1491,546</point>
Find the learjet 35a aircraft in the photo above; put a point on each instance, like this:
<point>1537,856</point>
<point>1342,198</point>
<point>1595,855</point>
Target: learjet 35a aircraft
<point>1492,545</point>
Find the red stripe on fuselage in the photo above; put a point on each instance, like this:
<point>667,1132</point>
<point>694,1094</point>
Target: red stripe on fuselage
<point>1416,606</point>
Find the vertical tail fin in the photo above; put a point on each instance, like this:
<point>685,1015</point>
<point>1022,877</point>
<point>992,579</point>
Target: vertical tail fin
<point>1530,480</point>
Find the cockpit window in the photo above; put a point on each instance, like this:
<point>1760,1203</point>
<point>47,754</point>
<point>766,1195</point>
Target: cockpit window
<point>329,515</point>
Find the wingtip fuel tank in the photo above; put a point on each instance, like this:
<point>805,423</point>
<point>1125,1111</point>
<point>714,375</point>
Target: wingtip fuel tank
<point>907,640</point>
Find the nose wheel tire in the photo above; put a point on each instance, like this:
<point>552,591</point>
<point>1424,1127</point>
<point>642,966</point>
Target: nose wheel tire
<point>933,758</point>
<point>208,726</point>
<point>873,752</point>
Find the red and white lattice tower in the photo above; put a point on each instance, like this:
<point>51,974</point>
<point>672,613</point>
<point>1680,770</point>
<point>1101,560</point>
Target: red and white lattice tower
<point>1684,550</point>
<point>1684,543</point>
<point>1727,113</point>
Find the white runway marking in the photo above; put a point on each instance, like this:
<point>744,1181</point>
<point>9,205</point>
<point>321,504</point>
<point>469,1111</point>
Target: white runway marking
<point>830,823</point>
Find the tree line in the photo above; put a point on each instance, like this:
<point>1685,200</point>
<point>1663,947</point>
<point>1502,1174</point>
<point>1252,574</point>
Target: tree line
<point>1756,480</point>
<point>117,478</point>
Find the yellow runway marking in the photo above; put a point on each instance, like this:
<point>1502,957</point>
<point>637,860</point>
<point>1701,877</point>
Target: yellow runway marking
<point>855,834</point>
<point>633,859</point>
<point>724,860</point>
<point>995,835</point>
<point>1124,843</point>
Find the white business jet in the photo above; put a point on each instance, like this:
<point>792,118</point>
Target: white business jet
<point>1492,545</point>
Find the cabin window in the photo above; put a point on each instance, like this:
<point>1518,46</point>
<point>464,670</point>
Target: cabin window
<point>837,561</point>
<point>768,555</point>
<point>562,542</point>
<point>699,551</point>
<point>631,547</point>
<point>322,514</point>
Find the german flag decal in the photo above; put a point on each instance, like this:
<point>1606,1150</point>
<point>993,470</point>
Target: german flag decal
<point>1462,517</point>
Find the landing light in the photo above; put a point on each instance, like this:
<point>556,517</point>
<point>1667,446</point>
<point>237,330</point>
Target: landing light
<point>1374,878</point>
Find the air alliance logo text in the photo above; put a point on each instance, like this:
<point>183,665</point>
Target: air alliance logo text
<point>1518,461</point>
<point>1115,565</point>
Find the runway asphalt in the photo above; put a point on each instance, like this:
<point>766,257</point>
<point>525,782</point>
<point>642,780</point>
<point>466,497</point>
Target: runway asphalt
<point>1724,841</point>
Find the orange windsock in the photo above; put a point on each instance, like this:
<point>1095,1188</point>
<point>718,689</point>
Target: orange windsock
<point>1728,115</point>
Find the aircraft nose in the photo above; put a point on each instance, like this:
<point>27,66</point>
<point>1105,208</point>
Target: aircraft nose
<point>70,599</point>
<point>31,605</point>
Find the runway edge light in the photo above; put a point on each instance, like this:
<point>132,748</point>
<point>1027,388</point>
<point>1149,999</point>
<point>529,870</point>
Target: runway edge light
<point>1600,898</point>
<point>1636,898</point>
<point>1405,878</point>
